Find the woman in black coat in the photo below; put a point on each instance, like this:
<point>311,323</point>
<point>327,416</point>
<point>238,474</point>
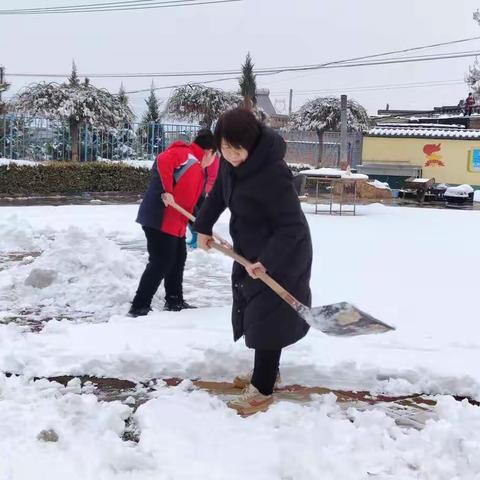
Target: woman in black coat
<point>268,227</point>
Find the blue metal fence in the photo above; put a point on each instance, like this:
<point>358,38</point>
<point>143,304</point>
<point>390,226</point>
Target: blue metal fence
<point>42,139</point>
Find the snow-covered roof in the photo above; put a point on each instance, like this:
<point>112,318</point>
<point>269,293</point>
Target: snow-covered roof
<point>424,133</point>
<point>264,102</point>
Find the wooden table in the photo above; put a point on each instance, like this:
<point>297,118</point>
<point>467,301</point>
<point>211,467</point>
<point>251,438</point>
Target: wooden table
<point>338,186</point>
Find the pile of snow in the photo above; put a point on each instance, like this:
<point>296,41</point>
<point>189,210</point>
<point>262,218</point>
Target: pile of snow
<point>8,162</point>
<point>462,191</point>
<point>132,163</point>
<point>333,172</point>
<point>476,196</point>
<point>379,184</point>
<point>78,271</point>
<point>18,235</point>
<point>421,180</point>
<point>299,166</point>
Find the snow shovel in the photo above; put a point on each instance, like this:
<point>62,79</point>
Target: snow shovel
<point>338,319</point>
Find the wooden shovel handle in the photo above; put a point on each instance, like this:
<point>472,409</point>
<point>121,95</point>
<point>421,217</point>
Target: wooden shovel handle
<point>225,248</point>
<point>264,277</point>
<point>181,210</point>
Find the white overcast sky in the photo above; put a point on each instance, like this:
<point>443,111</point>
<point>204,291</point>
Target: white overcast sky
<point>276,32</point>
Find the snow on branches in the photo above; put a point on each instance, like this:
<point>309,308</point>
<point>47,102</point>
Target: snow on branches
<point>75,102</point>
<point>198,103</point>
<point>324,113</point>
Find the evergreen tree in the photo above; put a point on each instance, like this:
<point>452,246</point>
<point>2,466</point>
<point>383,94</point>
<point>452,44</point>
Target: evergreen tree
<point>151,131</point>
<point>153,107</point>
<point>122,95</point>
<point>248,84</point>
<point>73,79</point>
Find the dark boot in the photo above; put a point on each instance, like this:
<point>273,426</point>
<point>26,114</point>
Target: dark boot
<point>176,304</point>
<point>138,311</point>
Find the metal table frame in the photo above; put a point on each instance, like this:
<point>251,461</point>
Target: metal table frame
<point>332,181</point>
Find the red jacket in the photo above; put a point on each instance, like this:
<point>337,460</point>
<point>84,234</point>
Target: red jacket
<point>187,189</point>
<point>212,172</point>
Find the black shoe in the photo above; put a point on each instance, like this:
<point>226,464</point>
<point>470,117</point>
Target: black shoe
<point>176,306</point>
<point>139,311</point>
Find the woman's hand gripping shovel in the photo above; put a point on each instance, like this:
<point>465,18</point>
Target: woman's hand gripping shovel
<point>338,319</point>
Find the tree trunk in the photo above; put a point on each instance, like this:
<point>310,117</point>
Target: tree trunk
<point>74,137</point>
<point>206,122</point>
<point>320,132</point>
<point>248,103</point>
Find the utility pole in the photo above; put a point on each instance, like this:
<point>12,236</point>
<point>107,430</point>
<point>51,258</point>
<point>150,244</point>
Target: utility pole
<point>2,76</point>
<point>290,102</point>
<point>343,133</point>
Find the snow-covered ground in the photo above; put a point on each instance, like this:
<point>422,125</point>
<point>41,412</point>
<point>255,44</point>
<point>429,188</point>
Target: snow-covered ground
<point>416,269</point>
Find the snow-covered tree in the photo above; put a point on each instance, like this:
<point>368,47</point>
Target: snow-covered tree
<point>248,84</point>
<point>198,103</point>
<point>3,88</point>
<point>324,113</point>
<point>472,78</point>
<point>77,103</point>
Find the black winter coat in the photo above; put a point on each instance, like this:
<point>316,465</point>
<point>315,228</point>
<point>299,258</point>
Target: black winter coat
<point>267,225</point>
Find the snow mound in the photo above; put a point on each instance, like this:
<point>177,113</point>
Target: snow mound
<point>17,235</point>
<point>460,191</point>
<point>334,172</point>
<point>86,272</point>
<point>379,184</point>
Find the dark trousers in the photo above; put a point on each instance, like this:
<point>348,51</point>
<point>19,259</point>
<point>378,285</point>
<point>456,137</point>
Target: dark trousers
<point>166,261</point>
<point>265,370</point>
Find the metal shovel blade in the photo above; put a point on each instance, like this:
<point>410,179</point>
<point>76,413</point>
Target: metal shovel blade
<point>343,320</point>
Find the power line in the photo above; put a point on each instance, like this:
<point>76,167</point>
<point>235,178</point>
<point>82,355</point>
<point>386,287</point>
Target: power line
<point>181,85</point>
<point>115,6</point>
<point>90,5</point>
<point>261,72</point>
<point>405,50</point>
<point>437,83</point>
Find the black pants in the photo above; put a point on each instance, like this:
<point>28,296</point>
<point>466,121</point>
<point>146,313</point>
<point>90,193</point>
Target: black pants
<point>166,261</point>
<point>265,370</point>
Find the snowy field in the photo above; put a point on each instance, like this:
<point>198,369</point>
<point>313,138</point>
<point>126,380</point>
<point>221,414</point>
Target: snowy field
<point>417,269</point>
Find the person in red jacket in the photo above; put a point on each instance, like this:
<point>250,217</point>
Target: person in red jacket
<point>469,104</point>
<point>178,174</point>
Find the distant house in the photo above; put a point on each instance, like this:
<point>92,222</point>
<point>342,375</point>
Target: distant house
<point>264,103</point>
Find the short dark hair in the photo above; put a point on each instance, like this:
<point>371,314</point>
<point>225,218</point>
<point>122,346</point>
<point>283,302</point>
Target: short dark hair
<point>205,139</point>
<point>239,128</point>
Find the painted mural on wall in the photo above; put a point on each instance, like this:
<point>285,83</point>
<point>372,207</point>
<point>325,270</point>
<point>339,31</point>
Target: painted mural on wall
<point>474,160</point>
<point>434,159</point>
